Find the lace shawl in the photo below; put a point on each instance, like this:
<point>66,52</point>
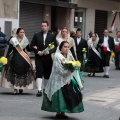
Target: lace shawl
<point>23,43</point>
<point>93,43</point>
<point>59,76</point>
<point>70,41</point>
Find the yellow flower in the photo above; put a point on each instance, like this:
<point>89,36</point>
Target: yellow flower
<point>3,60</point>
<point>74,64</point>
<point>84,50</point>
<point>70,62</point>
<point>51,47</point>
<point>112,55</point>
<point>78,63</point>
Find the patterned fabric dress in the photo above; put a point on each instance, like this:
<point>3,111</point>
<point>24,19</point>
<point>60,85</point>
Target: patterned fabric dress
<point>94,62</point>
<point>17,74</point>
<point>54,100</point>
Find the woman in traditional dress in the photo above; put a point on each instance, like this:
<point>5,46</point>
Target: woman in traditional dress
<point>58,95</point>
<point>18,73</point>
<point>94,62</point>
<point>64,35</point>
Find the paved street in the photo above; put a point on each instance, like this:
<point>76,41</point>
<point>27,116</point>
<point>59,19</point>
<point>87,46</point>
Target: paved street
<point>101,101</point>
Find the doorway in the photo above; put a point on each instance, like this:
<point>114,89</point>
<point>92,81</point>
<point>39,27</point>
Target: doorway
<point>53,18</point>
<point>100,21</point>
<point>8,29</point>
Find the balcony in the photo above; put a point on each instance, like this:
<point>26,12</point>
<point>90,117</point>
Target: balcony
<point>59,3</point>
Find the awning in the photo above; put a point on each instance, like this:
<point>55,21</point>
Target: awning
<point>114,0</point>
<point>53,3</point>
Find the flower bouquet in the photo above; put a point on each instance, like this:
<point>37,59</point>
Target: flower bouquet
<point>50,46</point>
<point>113,56</point>
<point>84,52</point>
<point>72,65</point>
<point>3,61</point>
<point>76,77</point>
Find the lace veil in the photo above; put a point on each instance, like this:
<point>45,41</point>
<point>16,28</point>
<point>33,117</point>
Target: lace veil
<point>23,43</point>
<point>93,43</point>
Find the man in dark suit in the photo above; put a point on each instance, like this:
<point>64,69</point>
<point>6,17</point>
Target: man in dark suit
<point>43,60</point>
<point>106,44</point>
<point>117,51</point>
<point>80,44</point>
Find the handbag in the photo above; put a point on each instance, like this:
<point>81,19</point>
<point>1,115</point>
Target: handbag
<point>71,93</point>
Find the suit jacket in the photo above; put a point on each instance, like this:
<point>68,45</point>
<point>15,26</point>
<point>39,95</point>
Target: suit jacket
<point>79,47</point>
<point>110,43</point>
<point>39,42</point>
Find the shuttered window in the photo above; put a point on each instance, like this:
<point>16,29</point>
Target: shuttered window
<point>100,21</point>
<point>31,16</point>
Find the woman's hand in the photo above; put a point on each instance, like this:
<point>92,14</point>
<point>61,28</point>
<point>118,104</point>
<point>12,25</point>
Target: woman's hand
<point>102,45</point>
<point>35,47</point>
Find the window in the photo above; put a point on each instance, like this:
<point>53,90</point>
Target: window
<point>79,19</point>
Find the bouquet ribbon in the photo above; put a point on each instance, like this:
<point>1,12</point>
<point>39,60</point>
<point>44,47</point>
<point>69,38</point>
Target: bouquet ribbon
<point>77,79</point>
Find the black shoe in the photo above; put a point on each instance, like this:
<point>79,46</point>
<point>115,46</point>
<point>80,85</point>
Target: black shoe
<point>39,94</point>
<point>104,76</point>
<point>58,116</point>
<point>93,74</point>
<point>89,74</point>
<point>107,76</point>
<point>63,116</point>
<point>20,91</point>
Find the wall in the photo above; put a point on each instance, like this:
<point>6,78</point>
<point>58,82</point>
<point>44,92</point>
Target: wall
<point>98,4</point>
<point>47,14</point>
<point>8,9</point>
<point>62,19</point>
<point>72,19</point>
<point>90,21</point>
<point>9,14</point>
<point>15,23</point>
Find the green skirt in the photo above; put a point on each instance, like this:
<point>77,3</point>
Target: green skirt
<point>58,104</point>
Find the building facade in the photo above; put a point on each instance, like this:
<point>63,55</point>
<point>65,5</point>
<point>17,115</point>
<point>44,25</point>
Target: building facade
<point>32,13</point>
<point>95,15</point>
<point>9,15</point>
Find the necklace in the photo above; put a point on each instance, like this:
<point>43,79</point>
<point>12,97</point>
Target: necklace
<point>64,55</point>
<point>19,40</point>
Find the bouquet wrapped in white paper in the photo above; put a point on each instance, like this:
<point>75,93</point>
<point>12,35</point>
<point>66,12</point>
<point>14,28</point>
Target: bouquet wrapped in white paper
<point>50,46</point>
